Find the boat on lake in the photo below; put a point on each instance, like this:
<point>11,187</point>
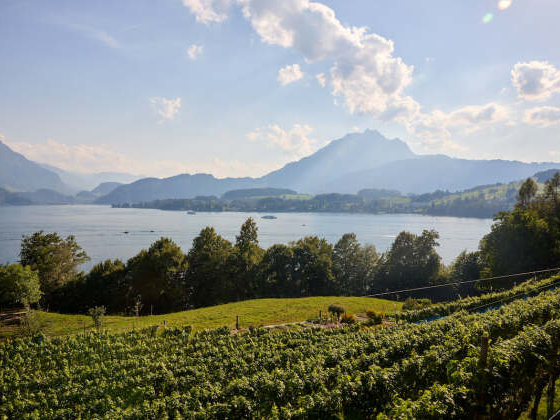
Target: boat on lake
<point>270,217</point>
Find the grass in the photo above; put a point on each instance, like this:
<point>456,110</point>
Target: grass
<point>251,312</point>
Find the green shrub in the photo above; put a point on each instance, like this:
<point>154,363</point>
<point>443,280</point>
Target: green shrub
<point>348,319</point>
<point>97,315</point>
<point>30,325</point>
<point>375,317</point>
<point>411,304</point>
<point>336,310</point>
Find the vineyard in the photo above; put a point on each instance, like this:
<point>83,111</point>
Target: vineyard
<point>489,357</point>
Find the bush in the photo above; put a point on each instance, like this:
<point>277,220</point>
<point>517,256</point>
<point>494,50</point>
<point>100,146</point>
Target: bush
<point>97,314</point>
<point>31,325</point>
<point>348,319</point>
<point>336,310</point>
<point>375,317</point>
<point>411,304</point>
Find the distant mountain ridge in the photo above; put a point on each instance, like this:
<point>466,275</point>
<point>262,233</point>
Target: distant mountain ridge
<point>17,173</point>
<point>354,162</point>
<point>351,153</point>
<point>75,181</point>
<point>436,172</point>
<point>179,186</point>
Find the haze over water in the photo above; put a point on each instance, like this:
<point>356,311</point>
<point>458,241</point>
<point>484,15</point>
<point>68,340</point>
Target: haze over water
<point>100,230</point>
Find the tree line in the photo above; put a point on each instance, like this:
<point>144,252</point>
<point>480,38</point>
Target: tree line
<point>473,204</point>
<point>164,279</point>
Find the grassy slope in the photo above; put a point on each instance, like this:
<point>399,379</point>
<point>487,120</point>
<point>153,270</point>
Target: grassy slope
<point>251,312</point>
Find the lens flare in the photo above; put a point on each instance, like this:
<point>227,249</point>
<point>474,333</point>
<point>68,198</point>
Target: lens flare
<point>487,18</point>
<point>504,4</point>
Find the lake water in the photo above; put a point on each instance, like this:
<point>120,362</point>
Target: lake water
<point>100,229</point>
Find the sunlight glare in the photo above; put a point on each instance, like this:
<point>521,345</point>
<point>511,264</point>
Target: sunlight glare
<point>504,4</point>
<point>487,18</point>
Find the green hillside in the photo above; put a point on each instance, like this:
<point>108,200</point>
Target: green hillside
<point>254,312</point>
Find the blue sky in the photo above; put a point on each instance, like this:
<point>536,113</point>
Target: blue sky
<point>240,87</point>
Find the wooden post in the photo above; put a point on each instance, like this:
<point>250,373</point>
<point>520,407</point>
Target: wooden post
<point>550,395</point>
<point>237,322</point>
<point>164,323</point>
<point>320,315</point>
<point>482,363</point>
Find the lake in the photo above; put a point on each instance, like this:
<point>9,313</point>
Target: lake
<point>100,229</point>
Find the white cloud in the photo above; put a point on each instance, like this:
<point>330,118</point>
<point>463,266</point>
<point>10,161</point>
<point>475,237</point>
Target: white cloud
<point>543,116</point>
<point>535,80</point>
<point>289,74</point>
<point>92,33</point>
<point>194,51</point>
<point>295,142</point>
<point>208,11</point>
<point>363,72</point>
<point>321,79</point>
<point>167,109</point>
<point>102,158</point>
<point>437,129</point>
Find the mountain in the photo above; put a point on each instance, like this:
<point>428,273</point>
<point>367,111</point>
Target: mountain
<point>353,152</point>
<point>86,182</point>
<point>46,196</point>
<point>357,161</point>
<point>17,173</point>
<point>105,188</point>
<point>13,199</point>
<point>180,186</point>
<point>435,172</point>
<point>544,176</point>
<point>88,197</point>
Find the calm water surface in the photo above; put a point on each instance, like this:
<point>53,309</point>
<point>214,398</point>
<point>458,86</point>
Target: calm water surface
<point>100,229</point>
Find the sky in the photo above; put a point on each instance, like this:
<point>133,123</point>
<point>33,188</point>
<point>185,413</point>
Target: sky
<point>241,87</point>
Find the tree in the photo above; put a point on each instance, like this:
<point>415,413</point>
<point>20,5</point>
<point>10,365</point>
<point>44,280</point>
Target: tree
<point>55,259</point>
<point>519,241</point>
<point>313,267</point>
<point>467,266</point>
<point>104,285</point>
<point>276,273</point>
<point>244,260</point>
<point>18,285</point>
<point>527,193</point>
<point>551,192</point>
<point>158,276</point>
<point>207,271</point>
<point>353,265</point>
<point>412,261</point>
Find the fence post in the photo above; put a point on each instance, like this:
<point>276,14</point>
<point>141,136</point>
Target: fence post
<point>550,395</point>
<point>237,322</point>
<point>320,315</point>
<point>482,363</point>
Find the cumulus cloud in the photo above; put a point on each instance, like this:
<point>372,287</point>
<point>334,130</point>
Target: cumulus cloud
<point>295,142</point>
<point>321,79</point>
<point>363,72</point>
<point>367,77</point>
<point>208,11</point>
<point>194,51</point>
<point>289,74</point>
<point>535,80</point>
<point>543,116</point>
<point>167,109</point>
<point>438,128</point>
